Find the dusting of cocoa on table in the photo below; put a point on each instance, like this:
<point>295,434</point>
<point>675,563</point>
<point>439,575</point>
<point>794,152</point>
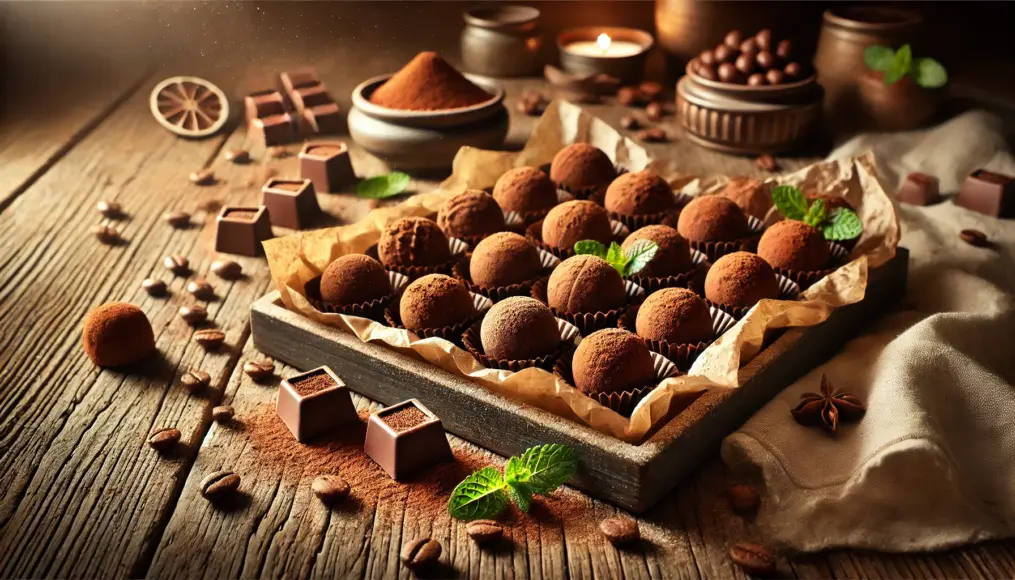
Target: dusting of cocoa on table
<point>405,418</point>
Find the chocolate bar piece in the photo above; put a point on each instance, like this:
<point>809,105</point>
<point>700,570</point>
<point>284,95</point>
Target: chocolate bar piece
<point>298,79</point>
<point>322,120</point>
<point>263,104</point>
<point>311,96</point>
<point>405,439</point>
<point>315,403</point>
<point>274,129</point>
<point>327,164</point>
<point>989,193</point>
<point>919,189</point>
<point>240,230</point>
<point>291,203</point>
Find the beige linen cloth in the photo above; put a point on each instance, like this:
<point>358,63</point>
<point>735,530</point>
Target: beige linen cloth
<point>932,464</point>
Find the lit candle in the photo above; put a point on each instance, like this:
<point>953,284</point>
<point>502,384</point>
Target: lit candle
<point>604,46</point>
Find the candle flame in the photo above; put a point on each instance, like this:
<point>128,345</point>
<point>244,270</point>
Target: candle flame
<point>604,42</point>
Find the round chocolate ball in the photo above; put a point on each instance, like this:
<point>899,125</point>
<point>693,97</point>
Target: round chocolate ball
<point>752,196</point>
<point>524,189</point>
<point>519,328</point>
<point>413,241</point>
<point>711,218</point>
<point>794,245</point>
<point>775,77</point>
<point>708,72</point>
<point>794,70</point>
<point>574,221</point>
<point>117,334</point>
<point>581,166</point>
<point>733,39</point>
<point>585,283</point>
<point>706,57</point>
<point>765,60</point>
<point>749,45</point>
<point>674,315</point>
<point>673,253</point>
<point>728,72</point>
<point>503,259</point>
<point>435,301</point>
<point>354,279</point>
<point>764,39</point>
<point>724,53</point>
<point>740,279</point>
<point>639,193</point>
<point>745,63</point>
<point>784,49</point>
<point>756,80</point>
<point>612,361</point>
<point>471,213</point>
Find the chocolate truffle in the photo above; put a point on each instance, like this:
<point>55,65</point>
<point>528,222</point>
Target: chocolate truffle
<point>673,253</point>
<point>472,213</point>
<point>503,259</point>
<point>413,241</point>
<point>711,218</point>
<point>354,279</point>
<point>675,315</point>
<point>752,196</point>
<point>435,301</point>
<point>581,166</point>
<point>740,279</point>
<point>610,361</point>
<point>794,245</point>
<point>519,328</point>
<point>524,189</point>
<point>574,221</point>
<point>639,193</point>
<point>585,283</point>
<point>117,334</point>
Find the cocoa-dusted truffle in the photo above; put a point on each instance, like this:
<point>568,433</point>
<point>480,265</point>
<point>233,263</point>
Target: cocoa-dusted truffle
<point>574,221</point>
<point>638,193</point>
<point>117,334</point>
<point>503,259</point>
<point>581,166</point>
<point>711,218</point>
<point>585,283</point>
<point>435,301</point>
<point>673,253</point>
<point>471,213</point>
<point>610,361</point>
<point>525,189</point>
<point>413,241</point>
<point>519,328</point>
<point>752,196</point>
<point>354,279</point>
<point>675,315</point>
<point>740,279</point>
<point>794,245</point>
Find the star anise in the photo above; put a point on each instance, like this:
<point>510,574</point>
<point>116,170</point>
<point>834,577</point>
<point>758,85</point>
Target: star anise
<point>827,408</point>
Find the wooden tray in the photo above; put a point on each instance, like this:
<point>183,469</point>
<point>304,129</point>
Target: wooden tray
<point>631,476</point>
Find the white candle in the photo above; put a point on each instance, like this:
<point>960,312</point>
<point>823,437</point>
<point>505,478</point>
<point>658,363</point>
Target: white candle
<point>604,46</point>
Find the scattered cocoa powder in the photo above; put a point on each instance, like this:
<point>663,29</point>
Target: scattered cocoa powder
<point>314,383</point>
<point>428,83</point>
<point>405,418</point>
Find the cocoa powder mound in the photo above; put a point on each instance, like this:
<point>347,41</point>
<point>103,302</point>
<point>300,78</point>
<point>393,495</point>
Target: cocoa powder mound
<point>428,83</point>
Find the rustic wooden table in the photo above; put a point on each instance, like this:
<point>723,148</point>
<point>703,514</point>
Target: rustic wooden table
<point>82,495</point>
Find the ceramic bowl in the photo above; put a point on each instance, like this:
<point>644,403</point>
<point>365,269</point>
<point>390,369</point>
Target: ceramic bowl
<point>444,119</point>
<point>761,93</point>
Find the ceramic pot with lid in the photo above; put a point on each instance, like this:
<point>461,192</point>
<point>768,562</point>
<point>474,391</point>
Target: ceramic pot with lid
<point>502,41</point>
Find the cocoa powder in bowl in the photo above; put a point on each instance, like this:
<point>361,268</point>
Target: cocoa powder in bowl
<point>740,279</point>
<point>525,189</point>
<point>639,193</point>
<point>711,218</point>
<point>354,279</point>
<point>435,301</point>
<point>413,241</point>
<point>503,259</point>
<point>673,253</point>
<point>574,221</point>
<point>428,83</point>
<point>469,214</point>
<point>794,245</point>
<point>581,166</point>
<point>585,283</point>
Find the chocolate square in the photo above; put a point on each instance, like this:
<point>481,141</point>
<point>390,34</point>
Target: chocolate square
<point>327,164</point>
<point>315,403</point>
<point>263,104</point>
<point>919,189</point>
<point>291,203</point>
<point>273,129</point>
<point>311,96</point>
<point>321,119</point>
<point>989,193</point>
<point>298,79</point>
<point>405,439</point>
<point>240,230</point>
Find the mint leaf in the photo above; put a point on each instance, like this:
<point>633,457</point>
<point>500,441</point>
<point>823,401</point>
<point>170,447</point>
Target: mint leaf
<point>480,496</point>
<point>615,255</point>
<point>903,59</point>
<point>639,255</point>
<point>844,225</point>
<point>549,466</point>
<point>521,494</point>
<point>515,471</point>
<point>929,74</point>
<point>790,202</point>
<point>383,186</point>
<point>816,214</point>
<point>591,248</point>
<point>892,76</point>
<point>879,58</point>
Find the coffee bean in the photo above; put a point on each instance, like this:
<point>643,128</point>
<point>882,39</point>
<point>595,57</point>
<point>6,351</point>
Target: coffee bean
<point>784,50</point>
<point>620,531</point>
<point>177,219</point>
<point>227,269</point>
<point>106,234</point>
<point>153,287</point>
<point>724,53</point>
<point>177,264</point>
<point>194,314</point>
<point>630,96</point>
<point>728,72</point>
<point>794,70</point>
<point>222,414</point>
<point>484,531</point>
<point>630,122</point>
<point>650,90</point>
<point>237,156</point>
<point>259,370</point>
<point>749,45</point>
<point>744,498</point>
<point>219,485</point>
<point>164,440</point>
<point>109,209</point>
<point>775,77</point>
<point>707,71</point>
<point>653,135</point>
<point>764,39</point>
<point>733,39</point>
<point>203,177</point>
<point>974,238</point>
<point>209,338</point>
<point>765,60</point>
<point>195,380</point>
<point>754,559</point>
<point>200,288</point>
<point>756,80</point>
<point>765,162</point>
<point>654,111</point>
<point>531,103</point>
<point>745,64</point>
<point>330,489</point>
<point>421,552</point>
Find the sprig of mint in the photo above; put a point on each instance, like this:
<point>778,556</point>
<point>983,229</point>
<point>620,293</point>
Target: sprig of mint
<point>627,262</point>
<point>896,64</point>
<point>383,186</point>
<point>539,470</point>
<point>842,224</point>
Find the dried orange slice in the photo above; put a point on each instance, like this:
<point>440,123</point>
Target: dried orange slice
<point>189,106</point>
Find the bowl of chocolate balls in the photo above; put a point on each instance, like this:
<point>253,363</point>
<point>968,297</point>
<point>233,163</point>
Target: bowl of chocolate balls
<point>749,95</point>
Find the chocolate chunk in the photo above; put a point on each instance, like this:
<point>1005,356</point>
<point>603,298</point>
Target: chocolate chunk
<point>321,120</point>
<point>273,129</point>
<point>291,203</point>
<point>327,164</point>
<point>299,78</point>
<point>989,193</point>
<point>240,230</point>
<point>405,439</point>
<point>310,96</point>
<point>919,189</point>
<point>315,403</point>
<point>263,104</point>
<point>164,440</point>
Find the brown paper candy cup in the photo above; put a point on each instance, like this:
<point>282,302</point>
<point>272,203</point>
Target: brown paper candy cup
<point>682,355</point>
<point>569,337</point>
<point>623,402</point>
<point>374,309</point>
<point>807,278</point>
<point>716,250</point>
<point>693,279</point>
<point>498,293</point>
<point>393,318</point>
<point>788,290</point>
<point>589,322</point>
<point>457,247</point>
